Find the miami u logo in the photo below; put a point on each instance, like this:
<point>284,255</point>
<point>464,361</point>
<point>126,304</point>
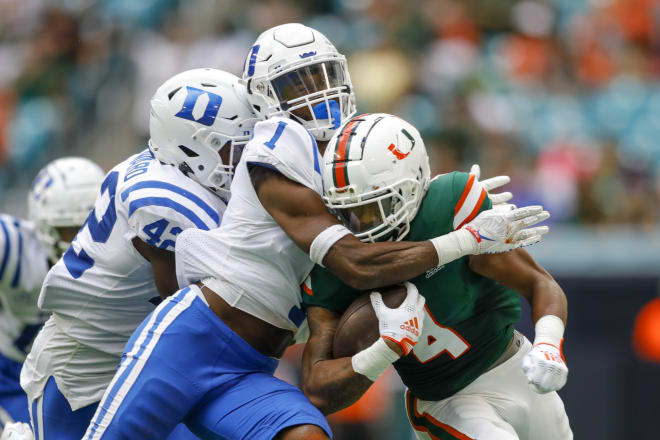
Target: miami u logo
<point>400,155</point>
<point>195,97</point>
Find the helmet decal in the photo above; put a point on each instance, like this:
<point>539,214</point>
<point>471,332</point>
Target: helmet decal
<point>400,155</point>
<point>339,171</point>
<point>253,59</point>
<point>210,112</point>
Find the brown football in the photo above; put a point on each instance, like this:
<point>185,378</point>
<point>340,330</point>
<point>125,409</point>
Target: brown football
<point>358,326</point>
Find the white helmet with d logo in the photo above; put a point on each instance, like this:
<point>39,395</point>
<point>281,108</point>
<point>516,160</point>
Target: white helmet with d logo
<point>200,121</point>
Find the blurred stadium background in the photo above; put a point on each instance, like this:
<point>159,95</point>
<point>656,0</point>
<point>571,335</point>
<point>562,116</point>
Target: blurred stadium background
<point>562,95</point>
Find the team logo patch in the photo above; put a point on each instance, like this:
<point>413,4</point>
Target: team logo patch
<point>404,147</point>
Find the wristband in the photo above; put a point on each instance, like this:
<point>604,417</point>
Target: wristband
<point>324,241</point>
<point>549,330</point>
<point>454,245</point>
<point>372,361</point>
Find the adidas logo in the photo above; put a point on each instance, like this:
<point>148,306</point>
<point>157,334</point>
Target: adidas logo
<point>411,326</point>
<point>431,272</point>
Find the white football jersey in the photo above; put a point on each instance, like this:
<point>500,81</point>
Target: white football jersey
<point>250,261</point>
<point>102,288</point>
<point>23,266</point>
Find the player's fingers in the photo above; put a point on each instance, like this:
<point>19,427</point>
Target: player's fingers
<point>420,302</point>
<point>504,207</point>
<point>528,221</point>
<point>500,198</point>
<point>411,294</point>
<point>495,182</point>
<point>526,211</point>
<point>376,301</point>
<point>476,170</point>
<point>530,241</point>
<point>530,232</point>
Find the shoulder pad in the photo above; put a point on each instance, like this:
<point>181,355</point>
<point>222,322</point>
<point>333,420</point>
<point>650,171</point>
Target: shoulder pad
<point>470,195</point>
<point>167,202</point>
<point>286,146</point>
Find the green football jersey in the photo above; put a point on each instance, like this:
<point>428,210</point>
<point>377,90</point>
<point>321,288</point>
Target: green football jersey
<point>469,318</point>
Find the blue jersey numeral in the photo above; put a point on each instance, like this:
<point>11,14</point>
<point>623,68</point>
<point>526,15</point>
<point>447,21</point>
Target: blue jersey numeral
<point>78,263</point>
<point>155,230</point>
<point>278,132</point>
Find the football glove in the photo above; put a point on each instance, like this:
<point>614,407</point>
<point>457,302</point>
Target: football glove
<point>404,324</point>
<point>505,227</point>
<point>491,184</point>
<point>545,367</point>
<point>17,431</point>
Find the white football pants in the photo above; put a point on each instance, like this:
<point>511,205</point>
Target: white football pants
<point>498,405</point>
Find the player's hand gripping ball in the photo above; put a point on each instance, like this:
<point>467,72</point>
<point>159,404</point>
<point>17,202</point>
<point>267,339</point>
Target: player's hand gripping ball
<point>402,325</point>
<point>359,326</point>
<point>545,368</point>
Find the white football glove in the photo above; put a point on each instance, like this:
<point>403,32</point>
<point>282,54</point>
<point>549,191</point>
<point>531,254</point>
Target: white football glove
<point>492,183</point>
<point>545,368</point>
<point>505,227</point>
<point>404,324</point>
<point>17,431</point>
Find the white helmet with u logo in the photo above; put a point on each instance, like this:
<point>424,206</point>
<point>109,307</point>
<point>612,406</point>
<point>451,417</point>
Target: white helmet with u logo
<point>294,71</point>
<point>376,173</point>
<point>200,121</point>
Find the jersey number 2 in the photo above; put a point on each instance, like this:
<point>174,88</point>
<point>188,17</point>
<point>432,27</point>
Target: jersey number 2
<point>78,262</point>
<point>437,339</point>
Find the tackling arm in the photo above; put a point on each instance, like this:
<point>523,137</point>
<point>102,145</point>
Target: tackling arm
<point>162,266</point>
<point>330,384</point>
<point>303,216</point>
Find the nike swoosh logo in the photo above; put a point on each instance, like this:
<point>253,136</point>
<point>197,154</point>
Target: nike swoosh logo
<point>485,238</point>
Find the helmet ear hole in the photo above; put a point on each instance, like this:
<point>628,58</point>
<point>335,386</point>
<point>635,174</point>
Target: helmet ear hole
<point>188,152</point>
<point>173,92</point>
<point>185,169</point>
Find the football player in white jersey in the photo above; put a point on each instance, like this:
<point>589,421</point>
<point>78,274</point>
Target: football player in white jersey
<point>59,201</point>
<point>221,336</point>
<point>121,263</point>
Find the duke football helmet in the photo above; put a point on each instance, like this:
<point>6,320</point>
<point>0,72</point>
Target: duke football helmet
<point>376,173</point>
<point>200,121</point>
<point>62,196</point>
<point>294,71</point>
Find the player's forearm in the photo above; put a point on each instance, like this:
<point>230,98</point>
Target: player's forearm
<point>518,271</point>
<point>366,266</point>
<point>547,298</point>
<point>333,385</point>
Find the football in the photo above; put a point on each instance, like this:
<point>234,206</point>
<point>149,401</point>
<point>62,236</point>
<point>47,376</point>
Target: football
<point>358,326</point>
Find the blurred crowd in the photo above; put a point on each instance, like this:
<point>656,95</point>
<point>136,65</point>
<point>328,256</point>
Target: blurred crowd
<point>562,95</point>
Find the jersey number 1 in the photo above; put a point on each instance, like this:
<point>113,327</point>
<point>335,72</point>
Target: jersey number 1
<point>78,262</point>
<point>437,339</point>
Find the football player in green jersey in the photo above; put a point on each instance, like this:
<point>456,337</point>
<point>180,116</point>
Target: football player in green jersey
<point>469,374</point>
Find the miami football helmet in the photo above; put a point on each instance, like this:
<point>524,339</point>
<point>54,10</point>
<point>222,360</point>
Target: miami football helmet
<point>62,196</point>
<point>376,173</point>
<point>294,71</point>
<point>200,121</point>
